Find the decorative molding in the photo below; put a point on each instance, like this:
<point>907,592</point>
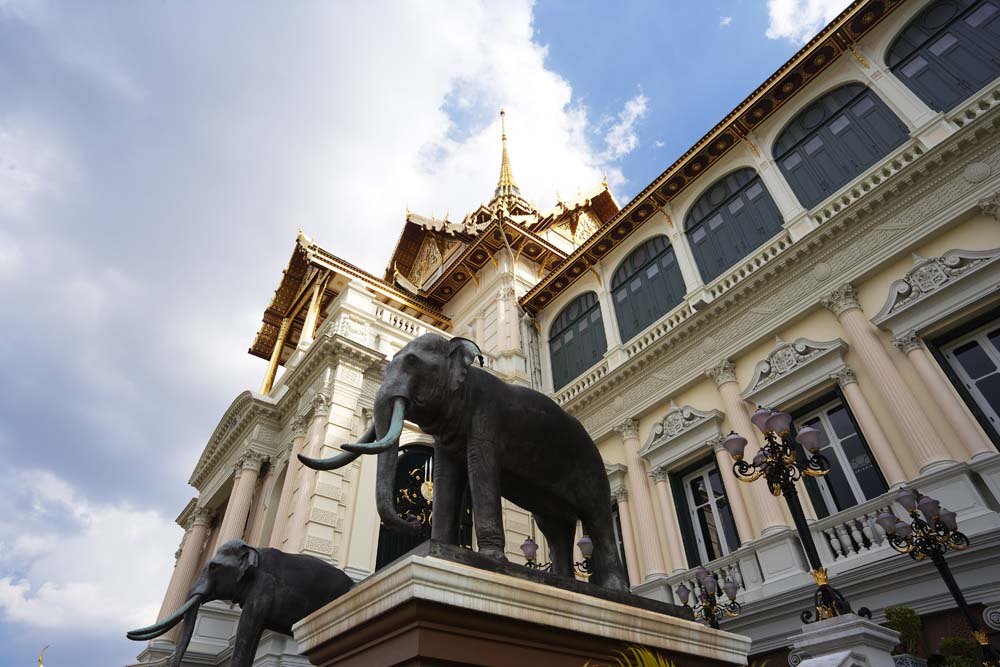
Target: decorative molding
<point>792,369</point>
<point>907,342</point>
<point>716,442</point>
<point>247,413</point>
<point>991,206</point>
<point>629,429</point>
<point>201,515</point>
<point>320,404</point>
<point>936,288</point>
<point>991,616</point>
<point>845,376</point>
<point>722,372</point>
<point>841,299</point>
<point>977,172</point>
<point>680,436</point>
<point>617,477</point>
<point>252,460</point>
<point>658,474</point>
<point>620,495</point>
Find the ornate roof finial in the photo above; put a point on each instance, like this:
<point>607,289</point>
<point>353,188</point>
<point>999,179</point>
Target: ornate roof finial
<point>604,181</point>
<point>506,186</point>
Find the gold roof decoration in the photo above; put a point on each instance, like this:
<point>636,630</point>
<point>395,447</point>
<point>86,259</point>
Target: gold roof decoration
<point>507,199</point>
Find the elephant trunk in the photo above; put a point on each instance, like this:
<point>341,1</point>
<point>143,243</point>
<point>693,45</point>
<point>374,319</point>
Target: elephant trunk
<point>154,631</point>
<point>340,460</point>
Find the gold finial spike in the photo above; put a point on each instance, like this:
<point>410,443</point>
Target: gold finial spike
<point>604,181</point>
<point>506,186</point>
<point>503,129</point>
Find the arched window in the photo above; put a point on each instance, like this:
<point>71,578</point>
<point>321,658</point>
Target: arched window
<point>577,341</point>
<point>833,140</point>
<point>647,284</point>
<point>950,51</point>
<point>735,215</point>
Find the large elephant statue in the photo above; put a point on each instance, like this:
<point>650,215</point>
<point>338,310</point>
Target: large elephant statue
<point>500,439</point>
<point>274,589</point>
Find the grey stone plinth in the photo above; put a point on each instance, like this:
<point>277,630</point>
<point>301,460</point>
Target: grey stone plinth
<point>843,641</point>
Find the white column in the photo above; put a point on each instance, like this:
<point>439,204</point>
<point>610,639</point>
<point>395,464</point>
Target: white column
<point>675,542</point>
<point>238,510</point>
<point>734,492</point>
<point>307,476</point>
<point>888,463</point>
<point>288,486</point>
<point>648,542</point>
<point>769,514</point>
<point>685,258</point>
<point>186,567</point>
<point>628,537</point>
<point>928,449</point>
<point>972,439</point>
<point>259,512</point>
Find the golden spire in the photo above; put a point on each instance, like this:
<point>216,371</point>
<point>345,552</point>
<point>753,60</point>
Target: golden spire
<point>506,186</point>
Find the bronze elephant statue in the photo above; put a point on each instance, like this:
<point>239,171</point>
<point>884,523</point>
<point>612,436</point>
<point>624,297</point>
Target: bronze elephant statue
<point>274,589</point>
<point>499,439</point>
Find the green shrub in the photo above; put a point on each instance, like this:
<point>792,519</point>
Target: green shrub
<point>907,623</point>
<point>959,652</point>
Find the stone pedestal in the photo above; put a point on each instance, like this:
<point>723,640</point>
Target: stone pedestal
<point>444,606</point>
<point>843,641</point>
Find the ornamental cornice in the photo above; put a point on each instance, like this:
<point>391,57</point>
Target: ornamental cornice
<point>320,404</point>
<point>680,436</point>
<point>722,372</point>
<point>247,411</point>
<point>300,425</point>
<point>328,347</point>
<point>797,366</point>
<point>617,476</point>
<point>251,460</point>
<point>991,206</point>
<point>841,299</point>
<point>658,474</point>
<point>936,287</point>
<point>853,243</point>
<point>907,342</point>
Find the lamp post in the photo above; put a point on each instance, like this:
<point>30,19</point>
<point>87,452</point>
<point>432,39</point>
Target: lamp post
<point>779,464</point>
<point>931,537</point>
<point>708,607</point>
<point>582,568</point>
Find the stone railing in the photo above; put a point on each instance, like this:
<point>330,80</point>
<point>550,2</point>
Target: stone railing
<point>874,178</point>
<point>656,331</point>
<point>853,532</point>
<point>582,383</point>
<point>982,103</point>
<point>408,325</point>
<point>753,263</point>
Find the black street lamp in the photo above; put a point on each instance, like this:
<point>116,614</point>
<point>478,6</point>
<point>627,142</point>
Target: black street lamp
<point>779,464</point>
<point>708,607</point>
<point>931,537</point>
<point>582,568</point>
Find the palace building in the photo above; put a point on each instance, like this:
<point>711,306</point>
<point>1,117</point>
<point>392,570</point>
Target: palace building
<point>831,248</point>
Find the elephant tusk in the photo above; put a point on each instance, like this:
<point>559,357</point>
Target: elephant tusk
<point>390,437</point>
<point>157,629</point>
<point>338,461</point>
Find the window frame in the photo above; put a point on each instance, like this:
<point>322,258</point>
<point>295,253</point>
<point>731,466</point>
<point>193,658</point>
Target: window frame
<point>986,411</point>
<point>586,314</point>
<point>621,282</point>
<point>703,470</point>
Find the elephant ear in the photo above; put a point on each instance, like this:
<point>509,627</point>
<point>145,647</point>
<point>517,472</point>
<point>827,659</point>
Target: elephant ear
<point>249,559</point>
<point>461,353</point>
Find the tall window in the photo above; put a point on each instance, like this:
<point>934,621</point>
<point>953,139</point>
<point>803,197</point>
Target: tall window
<point>976,360</point>
<point>950,51</point>
<point>577,341</point>
<point>732,218</point>
<point>617,525</point>
<point>709,513</point>
<point>414,469</point>
<point>646,285</point>
<point>836,138</point>
<point>854,476</point>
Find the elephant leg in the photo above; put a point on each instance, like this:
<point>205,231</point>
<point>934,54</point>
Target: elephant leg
<point>484,483</point>
<point>449,487</point>
<point>559,533</point>
<point>608,569</point>
<point>248,631</point>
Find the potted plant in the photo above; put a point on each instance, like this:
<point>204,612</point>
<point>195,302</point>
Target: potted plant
<point>907,623</point>
<point>958,652</point>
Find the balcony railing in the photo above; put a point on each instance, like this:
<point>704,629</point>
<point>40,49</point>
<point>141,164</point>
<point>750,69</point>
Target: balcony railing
<point>982,103</point>
<point>753,263</point>
<point>582,383</point>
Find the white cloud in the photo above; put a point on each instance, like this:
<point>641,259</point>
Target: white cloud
<point>620,138</point>
<point>725,20</point>
<point>82,567</point>
<point>659,144</point>
<point>799,20</point>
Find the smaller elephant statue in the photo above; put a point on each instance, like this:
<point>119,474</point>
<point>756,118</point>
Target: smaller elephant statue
<point>274,589</point>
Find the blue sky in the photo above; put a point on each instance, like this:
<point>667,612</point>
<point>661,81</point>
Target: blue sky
<point>156,160</point>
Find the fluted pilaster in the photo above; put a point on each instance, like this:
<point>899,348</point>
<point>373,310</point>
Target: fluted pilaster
<point>628,536</point>
<point>278,532</point>
<point>238,509</point>
<point>675,544</point>
<point>315,438</point>
<point>734,492</point>
<point>887,460</point>
<point>645,519</point>
<point>186,567</point>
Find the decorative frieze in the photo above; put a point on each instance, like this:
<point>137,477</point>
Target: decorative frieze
<point>723,372</point>
<point>936,287</point>
<point>843,298</point>
<point>680,435</point>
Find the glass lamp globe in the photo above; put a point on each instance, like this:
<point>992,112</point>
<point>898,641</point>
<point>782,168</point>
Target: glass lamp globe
<point>907,498</point>
<point>903,530</point>
<point>778,422</point>
<point>808,437</point>
<point>711,585</point>
<point>887,521</point>
<point>683,592</point>
<point>730,589</point>
<point>949,519</point>
<point>929,507</point>
<point>529,548</point>
<point>760,417</point>
<point>586,546</point>
<point>735,444</point>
